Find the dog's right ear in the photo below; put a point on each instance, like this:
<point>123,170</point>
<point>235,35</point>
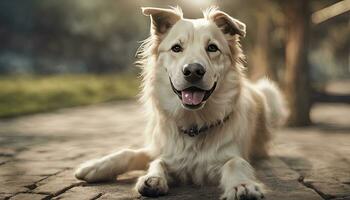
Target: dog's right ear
<point>162,19</point>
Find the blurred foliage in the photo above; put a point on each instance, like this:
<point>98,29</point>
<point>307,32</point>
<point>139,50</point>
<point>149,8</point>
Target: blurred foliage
<point>30,94</point>
<point>82,36</point>
<point>69,36</point>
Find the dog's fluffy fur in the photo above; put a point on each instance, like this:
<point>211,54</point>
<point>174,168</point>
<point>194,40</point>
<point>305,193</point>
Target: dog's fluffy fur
<point>220,155</point>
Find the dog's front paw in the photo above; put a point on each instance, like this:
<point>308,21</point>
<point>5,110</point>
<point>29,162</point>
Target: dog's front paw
<point>152,186</point>
<point>95,171</point>
<point>249,191</point>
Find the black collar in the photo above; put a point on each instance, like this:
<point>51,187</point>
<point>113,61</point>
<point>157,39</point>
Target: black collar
<point>194,130</point>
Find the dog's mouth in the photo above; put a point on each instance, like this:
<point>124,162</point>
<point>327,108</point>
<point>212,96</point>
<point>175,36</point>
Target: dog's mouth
<point>193,97</point>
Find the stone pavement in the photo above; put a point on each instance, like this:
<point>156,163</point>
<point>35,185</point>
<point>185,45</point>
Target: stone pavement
<point>38,154</point>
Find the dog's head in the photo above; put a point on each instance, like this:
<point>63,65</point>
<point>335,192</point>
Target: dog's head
<point>193,55</point>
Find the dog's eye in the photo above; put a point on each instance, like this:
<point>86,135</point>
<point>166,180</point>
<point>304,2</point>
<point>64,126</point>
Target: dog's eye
<point>176,48</point>
<point>212,48</point>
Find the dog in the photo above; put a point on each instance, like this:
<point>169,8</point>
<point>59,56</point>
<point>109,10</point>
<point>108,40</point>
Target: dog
<point>205,119</point>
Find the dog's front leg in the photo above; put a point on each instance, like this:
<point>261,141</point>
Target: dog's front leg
<point>108,167</point>
<point>155,182</point>
<point>238,181</point>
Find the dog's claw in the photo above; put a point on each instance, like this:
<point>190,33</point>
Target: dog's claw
<point>244,192</point>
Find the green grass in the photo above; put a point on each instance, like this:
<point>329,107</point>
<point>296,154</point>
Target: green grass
<point>30,94</point>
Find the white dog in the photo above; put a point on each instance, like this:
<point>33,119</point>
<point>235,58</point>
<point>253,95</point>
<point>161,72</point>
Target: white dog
<point>206,120</point>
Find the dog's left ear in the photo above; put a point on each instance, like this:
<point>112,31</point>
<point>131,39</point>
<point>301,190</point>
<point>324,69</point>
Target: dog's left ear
<point>227,24</point>
<point>162,19</point>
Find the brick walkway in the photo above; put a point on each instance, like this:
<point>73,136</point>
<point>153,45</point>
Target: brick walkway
<point>38,154</point>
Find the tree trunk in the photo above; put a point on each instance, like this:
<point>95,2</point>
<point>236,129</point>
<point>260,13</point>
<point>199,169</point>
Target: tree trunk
<point>297,74</point>
<point>260,55</point>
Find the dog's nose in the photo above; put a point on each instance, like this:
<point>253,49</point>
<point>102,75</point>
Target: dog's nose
<point>193,72</point>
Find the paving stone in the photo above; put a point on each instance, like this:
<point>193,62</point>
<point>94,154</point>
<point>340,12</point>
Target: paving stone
<point>52,152</point>
<point>118,196</point>
<point>4,160</point>
<point>28,196</point>
<point>342,198</point>
<point>16,184</point>
<point>57,184</point>
<point>330,189</point>
<point>5,195</point>
<point>80,193</point>
<point>13,188</point>
<point>38,154</point>
<point>7,152</point>
<point>190,193</point>
<point>282,182</point>
<point>31,168</point>
<point>324,170</point>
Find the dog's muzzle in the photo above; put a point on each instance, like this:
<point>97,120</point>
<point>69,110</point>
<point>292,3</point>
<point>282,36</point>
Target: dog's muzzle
<point>193,97</point>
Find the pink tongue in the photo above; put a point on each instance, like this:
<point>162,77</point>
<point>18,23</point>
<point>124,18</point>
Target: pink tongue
<point>192,98</point>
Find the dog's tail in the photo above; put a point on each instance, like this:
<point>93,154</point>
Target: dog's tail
<point>277,111</point>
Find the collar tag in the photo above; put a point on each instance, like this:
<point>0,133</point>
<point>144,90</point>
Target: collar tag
<point>193,131</point>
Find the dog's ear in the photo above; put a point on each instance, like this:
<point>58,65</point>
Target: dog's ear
<point>162,19</point>
<point>227,24</point>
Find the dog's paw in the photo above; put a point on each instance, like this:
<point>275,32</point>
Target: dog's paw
<point>95,171</point>
<point>152,186</point>
<point>244,192</point>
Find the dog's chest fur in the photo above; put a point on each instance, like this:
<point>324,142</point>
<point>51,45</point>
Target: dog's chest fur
<point>199,159</point>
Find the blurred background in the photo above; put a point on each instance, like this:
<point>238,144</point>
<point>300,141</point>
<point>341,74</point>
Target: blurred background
<point>56,54</point>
